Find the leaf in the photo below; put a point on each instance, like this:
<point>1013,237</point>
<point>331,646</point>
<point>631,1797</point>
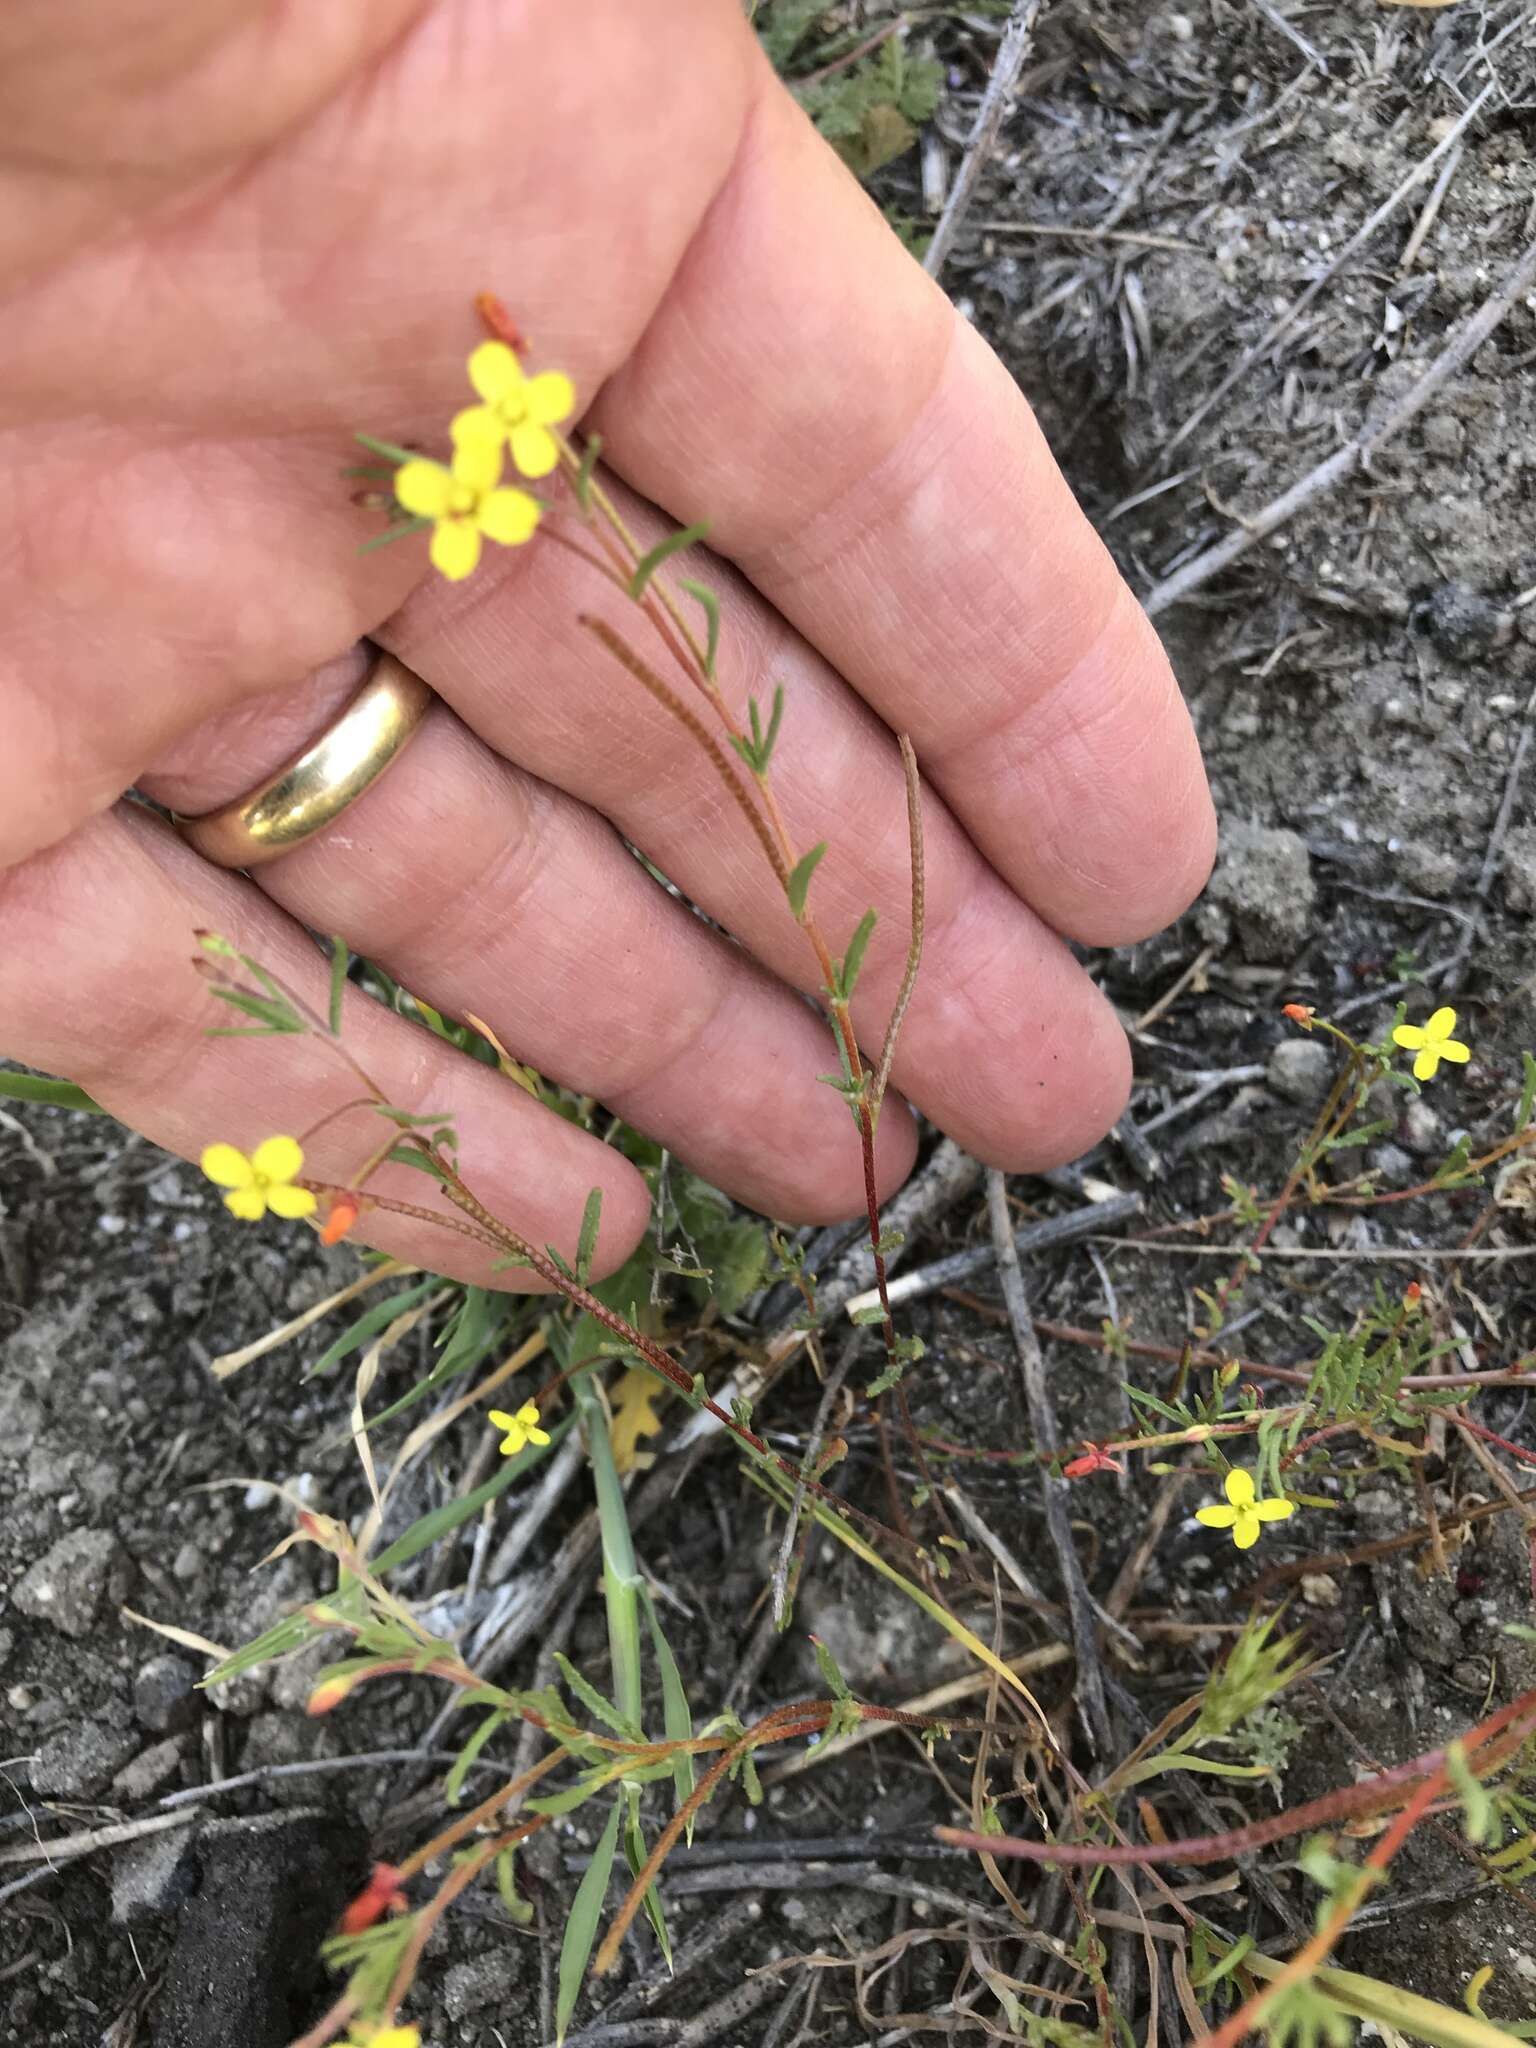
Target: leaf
<point>388,449</point>
<point>800,877</point>
<point>711,607</point>
<point>1527,1093</point>
<point>453,1784</point>
<point>826,1664</point>
<point>677,1719</point>
<point>597,1704</point>
<point>370,1323</point>
<point>634,1416</point>
<point>674,543</point>
<point>853,960</point>
<point>581,1927</point>
<point>43,1088</point>
<point>341,960</point>
<point>586,1243</point>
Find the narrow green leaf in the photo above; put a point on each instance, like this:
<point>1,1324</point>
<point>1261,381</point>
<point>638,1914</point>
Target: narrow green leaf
<point>43,1088</point>
<point>272,1016</point>
<point>586,1243</point>
<point>647,565</point>
<point>370,1323</point>
<point>589,454</point>
<point>388,449</point>
<point>677,1720</point>
<point>711,605</point>
<point>1527,1093</point>
<point>853,959</point>
<point>581,1927</point>
<point>597,1704</point>
<point>453,1784</point>
<point>635,1853</point>
<point>826,1664</point>
<point>341,960</point>
<point>401,530</point>
<point>800,877</point>
<point>519,1910</point>
<point>775,720</point>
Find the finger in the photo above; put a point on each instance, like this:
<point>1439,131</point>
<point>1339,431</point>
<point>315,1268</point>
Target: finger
<point>866,459</point>
<point>487,891</point>
<point>1007,1045</point>
<point>113,912</point>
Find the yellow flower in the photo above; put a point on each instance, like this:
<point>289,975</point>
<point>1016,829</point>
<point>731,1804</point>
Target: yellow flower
<point>361,2036</point>
<point>1243,1514</point>
<point>464,503</point>
<point>1433,1043</point>
<point>522,1428</point>
<point>518,409</point>
<point>261,1182</point>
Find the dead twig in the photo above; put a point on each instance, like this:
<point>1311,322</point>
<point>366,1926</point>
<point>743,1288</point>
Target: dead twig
<point>1041,1419</point>
<point>1355,454</point>
<point>1005,72</point>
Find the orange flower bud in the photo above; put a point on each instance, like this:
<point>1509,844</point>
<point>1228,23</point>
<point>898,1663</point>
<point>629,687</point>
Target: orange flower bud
<point>381,1894</point>
<point>345,1209</point>
<point>1092,1460</point>
<point>1413,1294</point>
<point>1299,1013</point>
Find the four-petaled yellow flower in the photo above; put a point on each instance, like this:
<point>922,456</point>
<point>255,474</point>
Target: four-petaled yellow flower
<point>518,410</point>
<point>465,502</point>
<point>261,1182</point>
<point>522,1428</point>
<point>1433,1043</point>
<point>1243,1514</point>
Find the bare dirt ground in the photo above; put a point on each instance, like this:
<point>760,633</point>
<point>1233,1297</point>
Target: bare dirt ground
<point>1166,187</point>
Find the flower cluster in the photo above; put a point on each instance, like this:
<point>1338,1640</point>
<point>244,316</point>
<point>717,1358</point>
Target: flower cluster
<point>465,499</point>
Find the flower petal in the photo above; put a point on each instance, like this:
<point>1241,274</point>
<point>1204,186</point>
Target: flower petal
<point>423,488</point>
<point>249,1204</point>
<point>1274,1510</point>
<point>278,1159</point>
<point>549,397</point>
<point>1453,1050</point>
<point>494,370</point>
<point>291,1202</point>
<point>477,462</point>
<point>227,1166</point>
<point>1409,1037</point>
<point>529,1412</point>
<point>477,423</point>
<point>455,548</point>
<point>508,515</point>
<point>1441,1024</point>
<point>1216,1516</point>
<point>534,448</point>
<point>1427,1065</point>
<point>1246,1534</point>
<point>501,1418</point>
<point>1238,1487</point>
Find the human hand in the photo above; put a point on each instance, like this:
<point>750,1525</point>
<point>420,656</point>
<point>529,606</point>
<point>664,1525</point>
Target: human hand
<point>231,234</point>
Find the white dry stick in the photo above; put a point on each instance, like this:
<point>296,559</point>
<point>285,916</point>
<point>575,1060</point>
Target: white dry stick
<point>1357,241</point>
<point>994,101</point>
<point>1355,454</point>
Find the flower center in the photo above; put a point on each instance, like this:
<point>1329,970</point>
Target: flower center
<point>461,501</point>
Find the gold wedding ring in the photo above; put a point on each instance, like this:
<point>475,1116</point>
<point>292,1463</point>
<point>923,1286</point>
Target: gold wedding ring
<point>312,790</point>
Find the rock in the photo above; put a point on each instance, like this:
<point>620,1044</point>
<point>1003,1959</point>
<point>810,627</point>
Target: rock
<point>243,1695</point>
<point>1264,878</point>
<point>150,1772</point>
<point>1319,1590</point>
<point>164,1694</point>
<point>481,1982</point>
<point>1519,869</point>
<point>81,1760</point>
<point>1464,624</point>
<point>1428,870</point>
<point>155,1874</point>
<point>1421,1130</point>
<point>1300,1069</point>
<point>68,1582</point>
<point>1443,434</point>
<point>244,1971</point>
<point>277,1738</point>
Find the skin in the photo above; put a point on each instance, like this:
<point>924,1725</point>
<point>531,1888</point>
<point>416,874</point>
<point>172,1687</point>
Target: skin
<point>232,233</point>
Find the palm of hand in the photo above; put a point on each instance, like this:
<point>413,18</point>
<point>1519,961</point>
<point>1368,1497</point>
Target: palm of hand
<point>273,242</point>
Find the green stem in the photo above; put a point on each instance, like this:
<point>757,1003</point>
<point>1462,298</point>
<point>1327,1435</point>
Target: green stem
<point>621,1574</point>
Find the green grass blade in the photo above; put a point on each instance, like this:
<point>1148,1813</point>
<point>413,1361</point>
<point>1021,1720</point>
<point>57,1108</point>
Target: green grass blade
<point>581,1928</point>
<point>44,1088</point>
